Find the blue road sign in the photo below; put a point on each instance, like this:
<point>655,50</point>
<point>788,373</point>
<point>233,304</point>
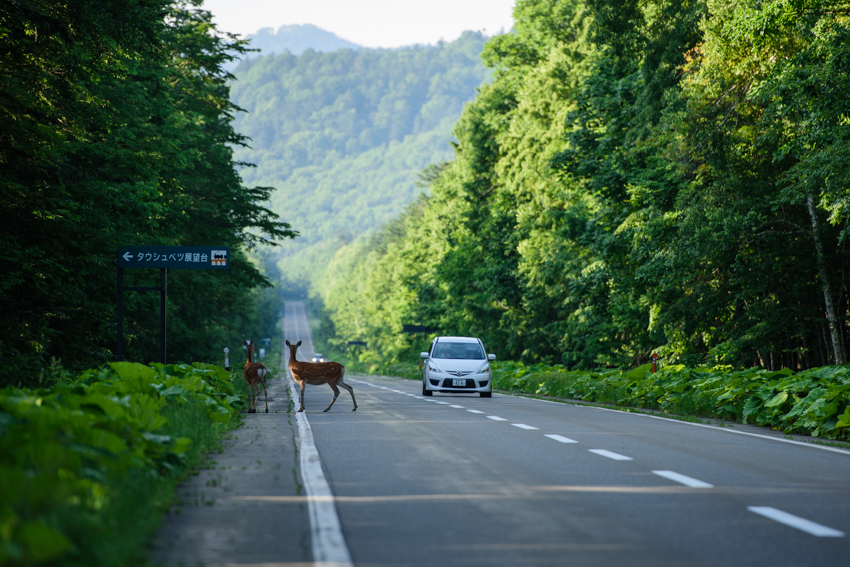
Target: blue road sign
<point>175,257</point>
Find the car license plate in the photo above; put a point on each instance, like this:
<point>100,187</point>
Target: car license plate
<point>459,382</point>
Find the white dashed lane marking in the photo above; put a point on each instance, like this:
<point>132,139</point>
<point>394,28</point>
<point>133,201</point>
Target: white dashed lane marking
<point>561,439</point>
<point>496,418</point>
<point>610,455</point>
<point>474,411</point>
<point>802,524</point>
<point>460,407</point>
<point>443,403</point>
<point>682,479</point>
<point>523,426</point>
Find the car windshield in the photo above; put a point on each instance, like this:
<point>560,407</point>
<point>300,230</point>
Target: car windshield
<point>471,351</point>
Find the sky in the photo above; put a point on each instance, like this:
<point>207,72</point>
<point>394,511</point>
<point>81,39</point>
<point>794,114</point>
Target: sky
<point>370,23</point>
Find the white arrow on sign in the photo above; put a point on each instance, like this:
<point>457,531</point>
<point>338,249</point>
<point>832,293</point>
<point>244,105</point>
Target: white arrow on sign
<point>127,256</point>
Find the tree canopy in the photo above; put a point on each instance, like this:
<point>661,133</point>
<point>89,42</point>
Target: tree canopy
<point>640,176</point>
<point>116,129</point>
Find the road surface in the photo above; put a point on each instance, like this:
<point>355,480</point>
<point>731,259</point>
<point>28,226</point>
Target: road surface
<point>460,480</point>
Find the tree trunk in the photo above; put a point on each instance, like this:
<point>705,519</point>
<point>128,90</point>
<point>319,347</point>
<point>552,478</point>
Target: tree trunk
<point>827,292</point>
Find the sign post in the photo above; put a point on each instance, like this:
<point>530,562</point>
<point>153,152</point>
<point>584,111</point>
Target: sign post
<point>163,257</point>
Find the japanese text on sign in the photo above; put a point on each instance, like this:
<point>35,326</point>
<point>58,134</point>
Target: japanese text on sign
<point>180,257</point>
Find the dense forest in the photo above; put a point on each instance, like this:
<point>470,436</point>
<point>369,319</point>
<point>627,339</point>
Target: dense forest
<point>640,176</point>
<point>343,136</point>
<point>116,129</point>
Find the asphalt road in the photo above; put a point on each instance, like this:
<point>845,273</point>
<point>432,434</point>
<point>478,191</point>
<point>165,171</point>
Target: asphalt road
<point>461,480</point>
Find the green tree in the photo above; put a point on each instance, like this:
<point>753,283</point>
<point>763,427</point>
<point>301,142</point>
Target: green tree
<point>116,130</point>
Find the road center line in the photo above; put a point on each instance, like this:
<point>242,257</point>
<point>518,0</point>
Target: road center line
<point>796,522</point>
<point>560,438</point>
<point>523,426</point>
<point>461,407</point>
<point>682,479</point>
<point>442,403</point>
<point>474,411</point>
<point>610,455</point>
<point>496,418</point>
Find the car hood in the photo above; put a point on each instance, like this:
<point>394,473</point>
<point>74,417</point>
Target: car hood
<point>458,364</point>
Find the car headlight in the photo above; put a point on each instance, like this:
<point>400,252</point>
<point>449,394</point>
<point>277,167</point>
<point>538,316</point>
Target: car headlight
<point>433,368</point>
<point>484,369</point>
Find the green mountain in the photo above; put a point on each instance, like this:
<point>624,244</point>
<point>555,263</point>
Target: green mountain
<point>344,136</point>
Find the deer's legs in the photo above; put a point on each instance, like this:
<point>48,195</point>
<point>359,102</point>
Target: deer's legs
<point>266,393</point>
<point>336,394</point>
<point>301,397</point>
<point>255,397</point>
<point>350,391</point>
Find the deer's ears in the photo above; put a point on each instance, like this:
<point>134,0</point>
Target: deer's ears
<point>299,343</point>
<point>247,343</point>
<point>287,343</point>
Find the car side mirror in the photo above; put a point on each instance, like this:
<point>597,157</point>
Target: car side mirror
<point>423,355</point>
<point>491,357</point>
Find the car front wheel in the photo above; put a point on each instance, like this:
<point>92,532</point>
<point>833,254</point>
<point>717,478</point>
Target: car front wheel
<point>486,394</point>
<point>426,391</point>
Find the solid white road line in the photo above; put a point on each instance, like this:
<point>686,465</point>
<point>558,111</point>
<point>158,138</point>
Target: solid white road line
<point>560,439</point>
<point>523,426</point>
<point>496,418</point>
<point>474,411</point>
<point>610,455</point>
<point>328,543</point>
<point>724,429</point>
<point>797,522</point>
<point>461,407</point>
<point>682,479</point>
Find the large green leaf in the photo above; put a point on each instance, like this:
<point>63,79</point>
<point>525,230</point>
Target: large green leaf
<point>42,542</point>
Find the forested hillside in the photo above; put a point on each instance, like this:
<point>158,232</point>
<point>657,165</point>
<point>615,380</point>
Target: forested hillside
<point>343,136</point>
<point>640,176</point>
<point>116,129</point>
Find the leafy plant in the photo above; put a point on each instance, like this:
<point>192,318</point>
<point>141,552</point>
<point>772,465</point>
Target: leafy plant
<point>814,402</point>
<point>66,455</point>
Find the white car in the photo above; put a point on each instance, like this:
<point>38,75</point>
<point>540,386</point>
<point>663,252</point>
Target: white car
<point>457,365</point>
<point>318,357</point>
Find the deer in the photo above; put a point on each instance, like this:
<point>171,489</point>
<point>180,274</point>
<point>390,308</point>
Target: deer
<point>255,373</point>
<point>316,373</point>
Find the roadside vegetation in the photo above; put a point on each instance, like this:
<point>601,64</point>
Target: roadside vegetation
<point>89,467</point>
<point>813,402</point>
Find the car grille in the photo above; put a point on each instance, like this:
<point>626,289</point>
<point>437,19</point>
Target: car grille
<point>459,372</point>
<point>447,383</point>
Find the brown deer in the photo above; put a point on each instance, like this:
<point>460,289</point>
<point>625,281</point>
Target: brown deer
<point>255,373</point>
<point>316,373</point>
